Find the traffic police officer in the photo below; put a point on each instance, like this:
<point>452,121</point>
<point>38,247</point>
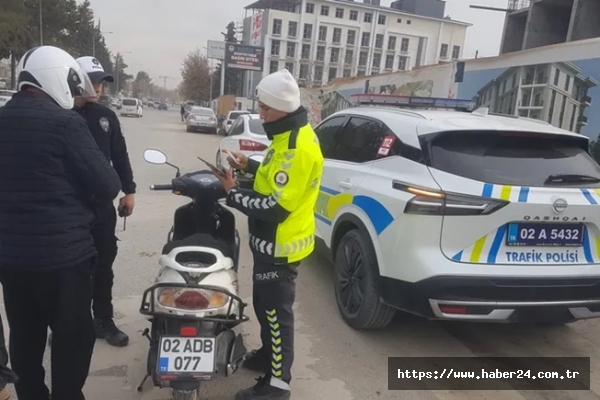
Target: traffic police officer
<point>106,129</point>
<point>281,221</point>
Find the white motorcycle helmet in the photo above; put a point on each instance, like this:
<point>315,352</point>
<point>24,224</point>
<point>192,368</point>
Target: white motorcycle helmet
<point>56,73</point>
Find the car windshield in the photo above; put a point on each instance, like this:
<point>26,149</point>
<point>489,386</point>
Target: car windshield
<point>256,127</point>
<point>512,158</point>
<point>235,115</point>
<point>203,111</point>
<point>129,102</point>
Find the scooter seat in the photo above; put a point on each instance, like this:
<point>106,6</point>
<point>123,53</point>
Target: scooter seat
<point>200,239</point>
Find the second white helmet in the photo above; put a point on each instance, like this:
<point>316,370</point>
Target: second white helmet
<point>56,73</point>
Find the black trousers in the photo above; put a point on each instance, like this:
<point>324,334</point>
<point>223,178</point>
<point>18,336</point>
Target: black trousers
<point>60,300</point>
<point>105,242</point>
<point>273,295</point>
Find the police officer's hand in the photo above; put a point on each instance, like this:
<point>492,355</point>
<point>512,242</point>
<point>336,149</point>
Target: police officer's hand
<point>240,162</point>
<point>226,178</point>
<point>126,204</point>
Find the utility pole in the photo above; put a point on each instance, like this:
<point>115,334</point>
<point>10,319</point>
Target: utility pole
<point>164,78</point>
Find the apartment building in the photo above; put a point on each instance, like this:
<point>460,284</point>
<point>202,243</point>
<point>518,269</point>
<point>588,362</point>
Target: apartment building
<point>555,93</point>
<point>320,40</point>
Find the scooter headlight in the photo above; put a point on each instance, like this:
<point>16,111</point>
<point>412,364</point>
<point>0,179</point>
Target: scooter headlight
<point>191,299</point>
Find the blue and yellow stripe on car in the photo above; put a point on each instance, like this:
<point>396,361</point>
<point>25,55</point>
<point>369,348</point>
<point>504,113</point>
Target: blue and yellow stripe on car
<point>505,192</point>
<point>331,201</point>
<point>589,195</point>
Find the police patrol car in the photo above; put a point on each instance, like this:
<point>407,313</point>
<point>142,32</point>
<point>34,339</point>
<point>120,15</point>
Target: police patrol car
<point>458,215</point>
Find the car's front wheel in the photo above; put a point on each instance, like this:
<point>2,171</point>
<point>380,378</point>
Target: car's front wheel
<point>356,274</point>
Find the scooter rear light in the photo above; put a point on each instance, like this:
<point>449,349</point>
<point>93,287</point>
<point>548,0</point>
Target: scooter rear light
<point>188,331</point>
<point>251,145</point>
<point>191,299</point>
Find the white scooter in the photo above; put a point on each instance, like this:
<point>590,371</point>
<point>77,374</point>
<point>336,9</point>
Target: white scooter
<point>194,305</point>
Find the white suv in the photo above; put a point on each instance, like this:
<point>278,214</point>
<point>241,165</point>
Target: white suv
<point>461,216</point>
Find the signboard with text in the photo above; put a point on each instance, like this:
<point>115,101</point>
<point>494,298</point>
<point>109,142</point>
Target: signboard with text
<point>244,57</point>
<point>216,50</point>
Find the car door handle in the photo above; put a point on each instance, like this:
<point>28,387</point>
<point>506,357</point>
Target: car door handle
<point>345,185</point>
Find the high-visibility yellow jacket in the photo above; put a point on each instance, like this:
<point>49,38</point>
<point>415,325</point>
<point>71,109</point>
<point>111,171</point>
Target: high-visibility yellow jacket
<point>280,208</point>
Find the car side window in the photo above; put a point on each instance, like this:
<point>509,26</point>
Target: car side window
<point>237,128</point>
<point>361,141</point>
<point>327,133</point>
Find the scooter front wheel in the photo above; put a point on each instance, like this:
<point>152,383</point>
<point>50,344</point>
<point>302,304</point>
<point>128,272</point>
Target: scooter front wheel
<point>185,394</point>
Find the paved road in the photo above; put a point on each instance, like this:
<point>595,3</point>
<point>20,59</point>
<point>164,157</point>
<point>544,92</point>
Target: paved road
<point>333,361</point>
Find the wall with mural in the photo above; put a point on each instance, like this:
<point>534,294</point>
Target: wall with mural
<point>558,84</point>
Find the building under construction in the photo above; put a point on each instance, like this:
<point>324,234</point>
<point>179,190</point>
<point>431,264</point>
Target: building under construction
<point>537,23</point>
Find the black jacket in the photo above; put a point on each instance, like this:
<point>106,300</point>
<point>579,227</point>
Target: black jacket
<point>50,171</point>
<point>106,130</point>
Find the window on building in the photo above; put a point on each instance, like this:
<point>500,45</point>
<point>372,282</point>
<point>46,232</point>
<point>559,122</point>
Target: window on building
<point>392,43</point>
<point>389,61</point>
<point>556,77</point>
<point>361,72</point>
<point>381,19</point>
<point>567,82</point>
<point>562,111</point>
<point>273,66</point>
<point>325,11</point>
<point>514,81</point>
<point>318,73</point>
<point>368,17</point>
<point>347,73</point>
<point>455,52</point>
<point>399,20</point>
<point>377,60</point>
<point>291,50</point>
<point>310,8</point>
<point>552,104</point>
<point>351,38</point>
<point>335,55</point>
<point>366,39</point>
<point>379,41</point>
<point>402,63</point>
<point>321,53</point>
<point>332,74</point>
<point>353,15</point>
<point>362,58</point>
<point>307,31</point>
<point>339,13</point>
<point>277,25</point>
<point>290,67</point>
<point>574,111</point>
<point>293,29</point>
<point>408,22</point>
<point>323,33</point>
<point>275,45</point>
<point>444,51</point>
<point>305,51</point>
<point>303,71</point>
<point>349,57</point>
<point>503,87</point>
<point>404,44</point>
<point>337,35</point>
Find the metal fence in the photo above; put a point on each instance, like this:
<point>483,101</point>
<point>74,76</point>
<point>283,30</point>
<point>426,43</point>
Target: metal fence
<point>516,5</point>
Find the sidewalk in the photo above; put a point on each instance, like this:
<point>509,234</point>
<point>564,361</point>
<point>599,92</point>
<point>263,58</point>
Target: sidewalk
<point>116,372</point>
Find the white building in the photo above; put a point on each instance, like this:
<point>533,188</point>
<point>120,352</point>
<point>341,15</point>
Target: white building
<point>555,93</point>
<point>320,40</point>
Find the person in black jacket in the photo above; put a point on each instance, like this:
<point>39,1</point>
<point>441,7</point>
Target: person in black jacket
<point>106,130</point>
<point>51,171</point>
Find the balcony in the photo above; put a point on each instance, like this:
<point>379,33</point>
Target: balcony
<point>540,80</point>
<point>586,101</point>
<point>582,121</point>
<point>517,5</point>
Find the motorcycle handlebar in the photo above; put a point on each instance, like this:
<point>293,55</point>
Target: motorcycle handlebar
<point>161,187</point>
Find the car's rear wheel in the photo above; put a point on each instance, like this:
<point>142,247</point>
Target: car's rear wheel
<point>356,274</point>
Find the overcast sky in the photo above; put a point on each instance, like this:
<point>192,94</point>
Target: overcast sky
<point>160,33</point>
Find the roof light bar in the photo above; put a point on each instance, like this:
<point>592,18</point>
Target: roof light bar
<point>411,102</point>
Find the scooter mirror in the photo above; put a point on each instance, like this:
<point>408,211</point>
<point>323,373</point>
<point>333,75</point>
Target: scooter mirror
<point>155,157</point>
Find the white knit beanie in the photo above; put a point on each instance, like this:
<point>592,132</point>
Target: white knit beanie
<point>279,91</point>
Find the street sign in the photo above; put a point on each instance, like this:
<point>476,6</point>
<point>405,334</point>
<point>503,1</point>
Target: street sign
<point>215,50</point>
<point>244,57</point>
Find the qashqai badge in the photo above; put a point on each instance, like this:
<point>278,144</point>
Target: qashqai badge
<point>559,206</point>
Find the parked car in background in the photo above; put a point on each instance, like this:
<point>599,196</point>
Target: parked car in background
<point>201,119</point>
<point>187,108</point>
<point>156,104</point>
<point>5,96</point>
<point>132,107</point>
<point>230,118</point>
<point>246,135</point>
<point>163,106</point>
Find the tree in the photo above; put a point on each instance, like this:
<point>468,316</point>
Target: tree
<point>121,77</point>
<point>233,77</point>
<point>595,149</point>
<point>142,85</point>
<point>196,77</point>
